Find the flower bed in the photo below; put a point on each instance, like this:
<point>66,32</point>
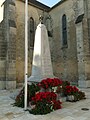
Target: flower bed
<point>32,89</point>
<point>74,94</point>
<point>44,96</point>
<point>45,102</point>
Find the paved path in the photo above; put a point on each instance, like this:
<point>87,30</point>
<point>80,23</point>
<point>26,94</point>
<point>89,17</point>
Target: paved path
<point>70,111</point>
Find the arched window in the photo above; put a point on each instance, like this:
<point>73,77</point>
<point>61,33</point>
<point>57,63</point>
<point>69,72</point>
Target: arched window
<point>64,30</point>
<point>32,32</point>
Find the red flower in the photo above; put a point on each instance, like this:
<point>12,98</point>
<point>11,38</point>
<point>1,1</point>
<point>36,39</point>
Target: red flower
<point>44,96</point>
<point>50,82</point>
<point>70,90</point>
<point>56,104</point>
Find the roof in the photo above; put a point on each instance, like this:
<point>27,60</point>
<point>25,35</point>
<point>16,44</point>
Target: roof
<point>43,6</point>
<point>38,5</point>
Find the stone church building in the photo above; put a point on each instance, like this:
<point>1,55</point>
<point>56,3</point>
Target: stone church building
<point>68,26</point>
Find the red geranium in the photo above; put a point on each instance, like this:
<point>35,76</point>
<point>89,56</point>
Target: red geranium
<point>50,82</point>
<point>44,96</point>
<point>57,104</point>
<point>47,99</point>
<point>71,90</point>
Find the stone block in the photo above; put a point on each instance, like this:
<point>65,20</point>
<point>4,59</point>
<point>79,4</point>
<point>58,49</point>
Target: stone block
<point>2,85</point>
<point>84,84</point>
<point>10,84</point>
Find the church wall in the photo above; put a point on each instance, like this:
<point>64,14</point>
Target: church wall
<point>64,58</point>
<point>2,57</point>
<point>7,45</point>
<point>71,62</point>
<point>86,44</point>
<point>2,48</point>
<point>10,39</point>
<point>88,20</point>
<point>20,39</point>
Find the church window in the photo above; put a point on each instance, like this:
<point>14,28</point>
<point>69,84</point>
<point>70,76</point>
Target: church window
<point>32,32</point>
<point>64,30</point>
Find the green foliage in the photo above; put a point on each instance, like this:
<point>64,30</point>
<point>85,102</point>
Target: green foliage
<point>32,89</point>
<point>45,102</point>
<point>65,83</point>
<point>77,96</point>
<point>19,101</point>
<point>41,108</point>
<point>80,95</point>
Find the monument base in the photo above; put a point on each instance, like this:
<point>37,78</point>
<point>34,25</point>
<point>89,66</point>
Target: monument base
<point>84,84</point>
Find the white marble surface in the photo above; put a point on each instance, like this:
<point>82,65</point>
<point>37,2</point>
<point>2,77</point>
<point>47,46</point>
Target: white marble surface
<point>42,66</point>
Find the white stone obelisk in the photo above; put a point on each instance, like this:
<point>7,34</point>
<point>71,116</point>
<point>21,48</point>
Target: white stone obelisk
<point>42,66</point>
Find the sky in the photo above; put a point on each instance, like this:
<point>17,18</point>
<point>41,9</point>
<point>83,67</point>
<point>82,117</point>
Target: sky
<point>49,3</point>
<point>1,10</point>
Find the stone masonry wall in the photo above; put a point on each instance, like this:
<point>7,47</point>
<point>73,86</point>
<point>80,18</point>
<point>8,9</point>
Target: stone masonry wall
<point>2,48</point>
<point>2,57</point>
<point>83,46</point>
<point>70,63</point>
<point>20,38</point>
<point>64,58</point>
<point>10,38</point>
